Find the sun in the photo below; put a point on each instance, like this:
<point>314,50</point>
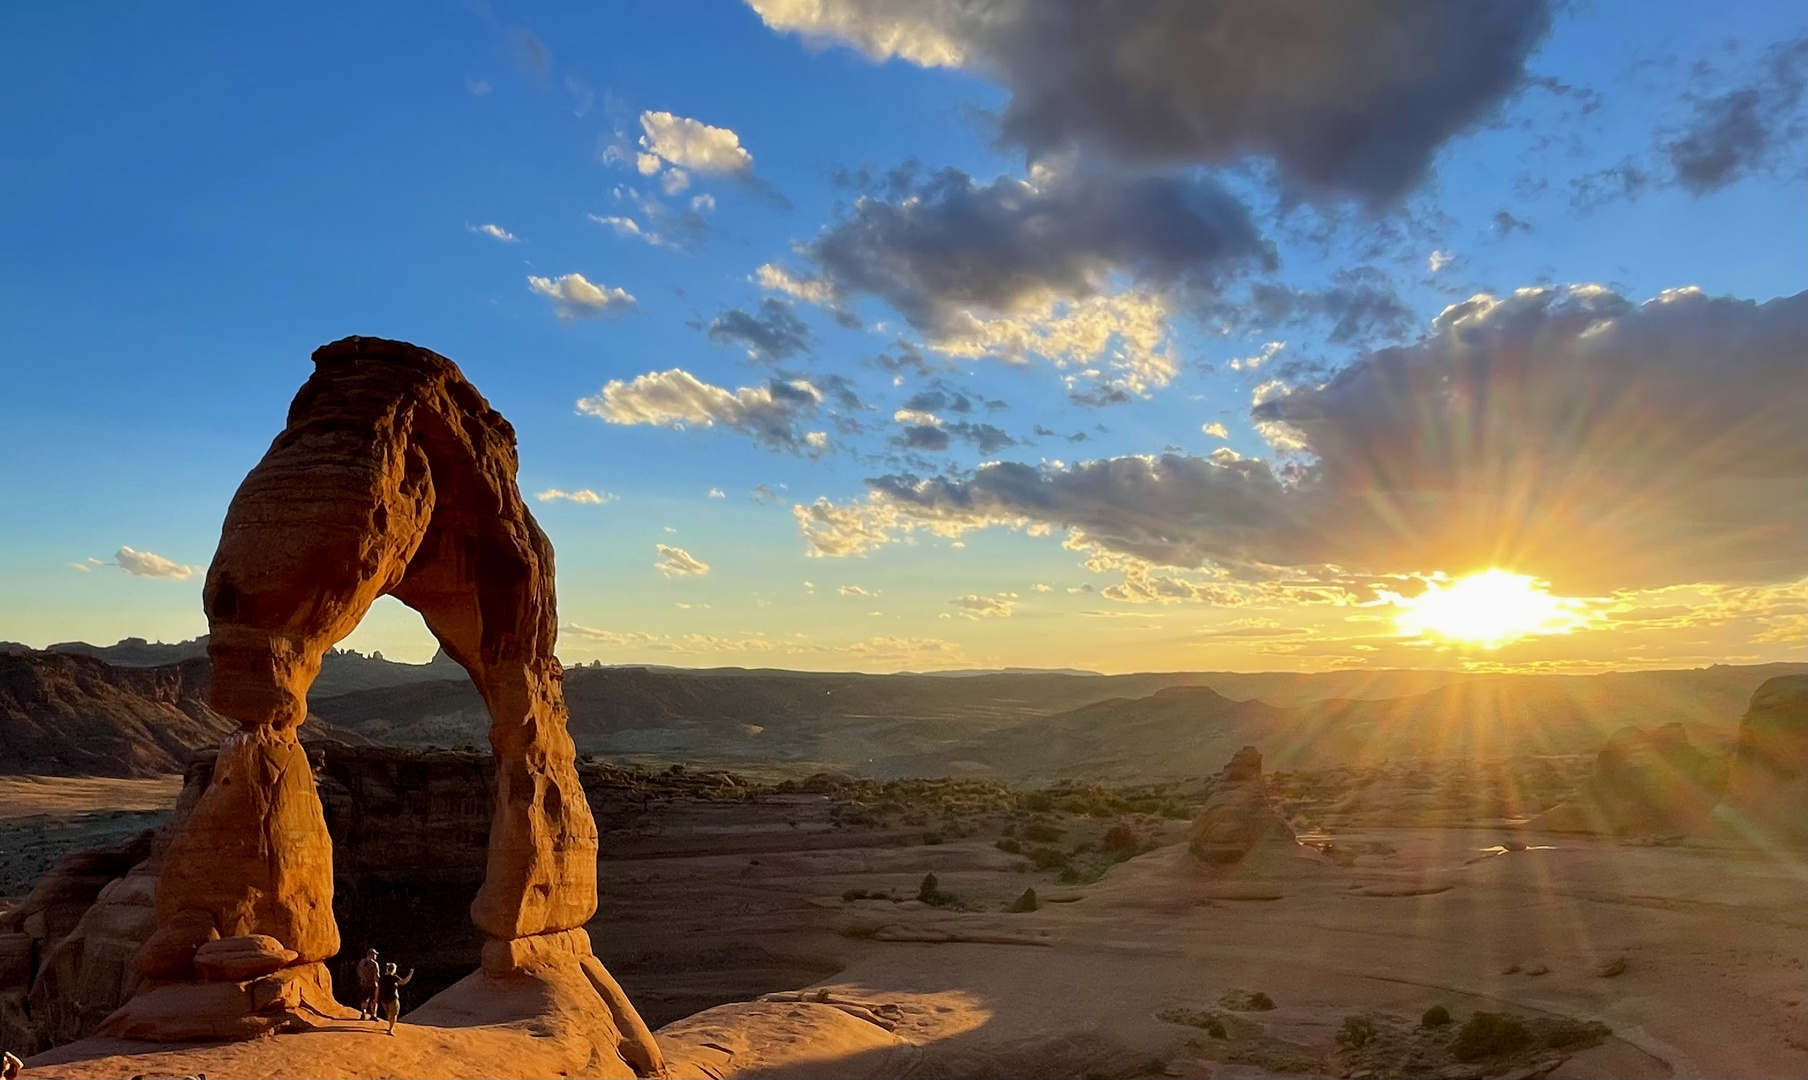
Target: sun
<point>1487,609</point>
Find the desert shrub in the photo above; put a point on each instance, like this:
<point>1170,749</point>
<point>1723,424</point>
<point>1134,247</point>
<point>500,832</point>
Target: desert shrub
<point>1082,875</point>
<point>1435,1017</point>
<point>1009,845</point>
<point>1039,801</point>
<point>855,894</point>
<point>1026,902</point>
<point>932,838</point>
<point>1244,1001</point>
<point>822,995</point>
<point>1357,1032</point>
<point>929,892</point>
<point>1119,838</point>
<point>1488,1035</point>
<point>1175,811</point>
<point>1215,1028</point>
<point>1042,832</point>
<point>1047,858</point>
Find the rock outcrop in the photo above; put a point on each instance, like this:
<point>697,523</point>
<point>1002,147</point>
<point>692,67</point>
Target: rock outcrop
<point>1646,782</point>
<point>1766,800</point>
<point>393,477</point>
<point>1238,820</point>
<point>64,715</point>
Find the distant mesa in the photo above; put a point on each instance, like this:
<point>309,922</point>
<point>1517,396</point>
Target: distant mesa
<point>1238,820</point>
<point>393,477</point>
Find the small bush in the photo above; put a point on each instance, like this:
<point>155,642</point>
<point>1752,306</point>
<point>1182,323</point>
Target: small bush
<point>1357,1032</point>
<point>1244,1001</point>
<point>1435,1017</point>
<point>1215,1028</point>
<point>932,838</point>
<point>1119,838</point>
<point>1026,902</point>
<point>1041,832</point>
<point>854,894</point>
<point>1489,1035</point>
<point>1048,858</point>
<point>1009,845</point>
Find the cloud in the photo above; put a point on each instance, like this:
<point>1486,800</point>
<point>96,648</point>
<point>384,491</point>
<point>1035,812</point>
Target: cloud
<point>1565,432</point>
<point>1732,130</point>
<point>582,495</point>
<point>150,564</point>
<point>574,297</point>
<point>495,232</point>
<point>478,87</point>
<point>855,590</point>
<point>1744,130</point>
<point>1215,429</point>
<point>775,334</point>
<point>628,228</point>
<point>1360,306</point>
<point>1438,260</point>
<point>1071,267</point>
<point>1350,99</point>
<point>681,143</point>
<point>771,414</point>
<point>677,562</point>
<point>533,53</point>
<point>717,493</point>
<point>975,606</point>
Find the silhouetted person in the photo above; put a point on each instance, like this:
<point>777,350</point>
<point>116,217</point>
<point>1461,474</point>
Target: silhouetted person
<point>368,970</point>
<point>389,994</point>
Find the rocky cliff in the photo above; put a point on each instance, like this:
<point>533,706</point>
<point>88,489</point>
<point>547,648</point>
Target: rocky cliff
<point>67,715</point>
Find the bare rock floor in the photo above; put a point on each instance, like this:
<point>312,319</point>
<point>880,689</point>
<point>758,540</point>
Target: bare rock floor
<point>1615,960</point>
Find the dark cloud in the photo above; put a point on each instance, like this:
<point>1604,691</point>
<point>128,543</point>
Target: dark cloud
<point>933,437</point>
<point>940,399</point>
<point>1746,130</point>
<point>1359,307</point>
<point>775,334</point>
<point>922,437</point>
<point>1348,99</point>
<point>532,52</point>
<point>1565,432</point>
<point>1506,224</point>
<point>955,246</point>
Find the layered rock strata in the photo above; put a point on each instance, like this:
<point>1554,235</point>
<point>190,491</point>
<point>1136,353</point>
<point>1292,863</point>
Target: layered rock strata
<point>392,477</point>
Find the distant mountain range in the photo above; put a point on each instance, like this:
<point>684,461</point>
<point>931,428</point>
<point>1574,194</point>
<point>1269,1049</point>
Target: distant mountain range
<point>80,708</point>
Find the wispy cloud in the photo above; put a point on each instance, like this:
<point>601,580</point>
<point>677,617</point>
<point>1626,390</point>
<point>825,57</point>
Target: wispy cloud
<point>582,495</point>
<point>495,232</point>
<point>677,562</point>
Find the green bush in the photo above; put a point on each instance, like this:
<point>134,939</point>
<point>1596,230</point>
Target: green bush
<point>1244,1001</point>
<point>1215,1028</point>
<point>1435,1017</point>
<point>1009,845</point>
<point>1357,1032</point>
<point>1489,1035</point>
<point>1042,832</point>
<point>1048,858</point>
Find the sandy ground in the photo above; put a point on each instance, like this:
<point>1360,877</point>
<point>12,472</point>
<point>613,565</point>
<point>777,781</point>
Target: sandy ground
<point>1695,959</point>
<point>43,818</point>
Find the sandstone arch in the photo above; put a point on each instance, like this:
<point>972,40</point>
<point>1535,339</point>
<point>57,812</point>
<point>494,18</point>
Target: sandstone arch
<point>393,477</point>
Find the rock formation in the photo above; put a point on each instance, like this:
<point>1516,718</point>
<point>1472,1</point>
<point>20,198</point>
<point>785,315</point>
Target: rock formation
<point>1238,821</point>
<point>1766,799</point>
<point>1650,782</point>
<point>393,477</point>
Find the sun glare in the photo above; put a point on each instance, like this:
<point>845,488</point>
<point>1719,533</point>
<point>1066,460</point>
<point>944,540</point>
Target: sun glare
<point>1488,610</point>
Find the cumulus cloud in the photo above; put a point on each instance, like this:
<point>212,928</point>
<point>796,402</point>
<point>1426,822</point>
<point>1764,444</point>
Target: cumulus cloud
<point>677,562</point>
<point>1016,269</point>
<point>582,495</point>
<point>770,414</point>
<point>574,297</point>
<point>1566,432</point>
<point>1347,99</point>
<point>976,606</point>
<point>151,564</point>
<point>495,232</point>
<point>774,334</point>
<point>1215,429</point>
<point>679,143</point>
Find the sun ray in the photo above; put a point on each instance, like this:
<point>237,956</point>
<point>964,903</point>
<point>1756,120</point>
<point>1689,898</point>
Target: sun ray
<point>1487,610</point>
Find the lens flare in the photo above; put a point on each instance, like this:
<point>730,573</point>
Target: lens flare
<point>1487,610</point>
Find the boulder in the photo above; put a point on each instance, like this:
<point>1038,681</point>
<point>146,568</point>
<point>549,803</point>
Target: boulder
<point>246,956</point>
<point>1645,782</point>
<point>1238,820</point>
<point>1766,800</point>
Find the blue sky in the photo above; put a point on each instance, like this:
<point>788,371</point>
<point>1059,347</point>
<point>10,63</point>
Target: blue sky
<point>198,196</point>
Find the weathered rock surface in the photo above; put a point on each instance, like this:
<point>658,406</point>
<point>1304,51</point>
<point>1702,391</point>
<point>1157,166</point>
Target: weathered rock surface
<point>1766,799</point>
<point>393,477</point>
<point>1646,781</point>
<point>1238,820</point>
<point>76,716</point>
